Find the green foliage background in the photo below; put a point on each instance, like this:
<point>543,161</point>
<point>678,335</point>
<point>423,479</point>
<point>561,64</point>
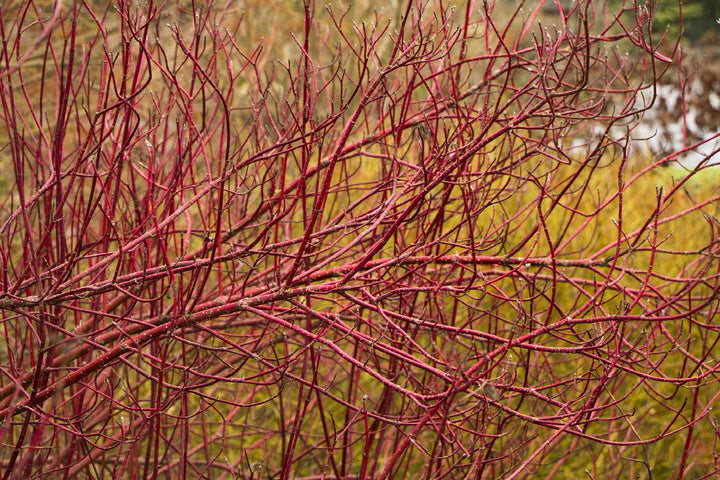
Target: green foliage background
<point>699,18</point>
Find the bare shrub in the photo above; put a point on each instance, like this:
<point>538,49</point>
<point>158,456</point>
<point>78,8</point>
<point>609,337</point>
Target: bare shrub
<point>405,248</point>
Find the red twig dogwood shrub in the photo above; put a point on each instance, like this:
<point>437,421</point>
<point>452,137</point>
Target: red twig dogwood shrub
<point>418,245</point>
